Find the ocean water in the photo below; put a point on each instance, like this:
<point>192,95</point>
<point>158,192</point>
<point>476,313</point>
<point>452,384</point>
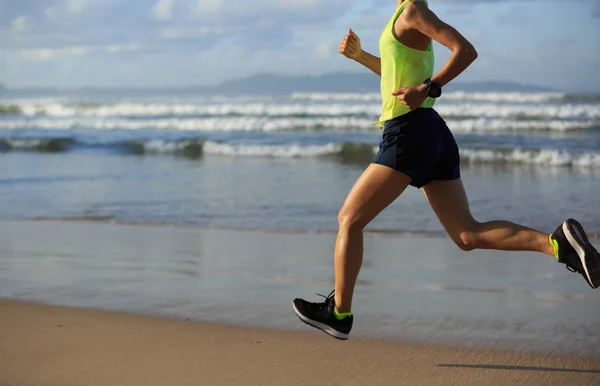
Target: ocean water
<point>285,162</point>
<point>282,166</point>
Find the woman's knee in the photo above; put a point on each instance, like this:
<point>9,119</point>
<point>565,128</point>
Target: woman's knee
<point>349,219</point>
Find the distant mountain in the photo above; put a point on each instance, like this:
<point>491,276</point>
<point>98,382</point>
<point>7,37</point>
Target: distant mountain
<point>272,84</point>
<point>498,87</point>
<point>281,84</point>
<point>347,82</point>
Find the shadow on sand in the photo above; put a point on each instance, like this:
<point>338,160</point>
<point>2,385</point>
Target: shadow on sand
<point>521,368</point>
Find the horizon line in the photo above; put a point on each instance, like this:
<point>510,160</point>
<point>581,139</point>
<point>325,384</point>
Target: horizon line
<point>209,87</point>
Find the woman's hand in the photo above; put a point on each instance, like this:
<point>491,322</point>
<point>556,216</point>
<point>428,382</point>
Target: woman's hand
<point>350,45</point>
<point>413,97</point>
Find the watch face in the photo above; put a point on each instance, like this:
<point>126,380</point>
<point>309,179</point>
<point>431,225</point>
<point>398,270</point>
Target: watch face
<point>434,91</point>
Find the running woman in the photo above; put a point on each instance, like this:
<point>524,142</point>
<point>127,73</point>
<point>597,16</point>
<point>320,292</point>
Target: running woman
<point>418,149</point>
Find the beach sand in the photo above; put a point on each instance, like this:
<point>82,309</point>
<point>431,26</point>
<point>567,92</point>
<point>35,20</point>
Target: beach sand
<point>98,303</point>
<point>50,345</point>
<point>412,287</point>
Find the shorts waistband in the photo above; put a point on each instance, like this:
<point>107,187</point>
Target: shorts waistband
<point>406,117</point>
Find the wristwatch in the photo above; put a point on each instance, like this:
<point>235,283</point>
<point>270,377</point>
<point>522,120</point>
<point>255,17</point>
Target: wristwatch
<point>434,90</point>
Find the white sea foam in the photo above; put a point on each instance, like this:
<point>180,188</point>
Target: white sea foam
<point>24,144</point>
<point>337,97</point>
<point>483,125</point>
<point>259,124</point>
<point>502,97</point>
<point>545,157</point>
<point>488,110</point>
<point>287,151</point>
<point>339,110</point>
<point>162,146</point>
<point>539,157</point>
<point>224,109</point>
<point>191,124</point>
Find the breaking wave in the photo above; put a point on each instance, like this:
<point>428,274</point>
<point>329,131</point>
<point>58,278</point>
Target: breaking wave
<point>258,124</point>
<point>346,152</point>
<point>540,157</point>
<point>458,96</point>
<point>41,145</point>
<point>193,124</point>
<point>337,109</point>
<point>11,109</point>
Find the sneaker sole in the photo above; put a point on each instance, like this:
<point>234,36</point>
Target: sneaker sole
<point>590,258</point>
<point>323,327</point>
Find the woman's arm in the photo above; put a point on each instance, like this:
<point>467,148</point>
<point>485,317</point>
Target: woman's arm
<point>350,48</point>
<point>372,62</point>
<point>420,17</point>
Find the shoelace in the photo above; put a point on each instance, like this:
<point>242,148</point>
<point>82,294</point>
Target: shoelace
<point>328,297</point>
<point>570,268</point>
<point>323,308</point>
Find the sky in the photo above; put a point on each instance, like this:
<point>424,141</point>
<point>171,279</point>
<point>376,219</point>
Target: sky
<point>173,43</point>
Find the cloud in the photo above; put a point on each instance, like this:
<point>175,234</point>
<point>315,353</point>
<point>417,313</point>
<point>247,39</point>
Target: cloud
<point>38,55</point>
<point>290,11</point>
<point>20,25</point>
<point>190,32</point>
<point>59,24</point>
<point>71,40</point>
<point>45,54</point>
<point>517,16</point>
<point>56,12</point>
<point>120,48</point>
<point>74,7</point>
<point>475,34</point>
<point>325,49</point>
<point>459,10</point>
<point>51,14</point>
<point>163,10</point>
<point>207,8</point>
<point>559,43</point>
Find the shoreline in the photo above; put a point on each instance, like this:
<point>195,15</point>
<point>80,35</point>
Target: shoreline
<point>428,293</point>
<point>111,220</point>
<point>192,225</point>
<point>45,345</point>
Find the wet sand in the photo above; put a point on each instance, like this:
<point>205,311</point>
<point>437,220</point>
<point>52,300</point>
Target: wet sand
<point>412,288</point>
<point>49,345</point>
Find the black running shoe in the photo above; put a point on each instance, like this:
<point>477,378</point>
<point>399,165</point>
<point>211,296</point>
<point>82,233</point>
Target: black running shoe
<point>573,249</point>
<point>321,316</point>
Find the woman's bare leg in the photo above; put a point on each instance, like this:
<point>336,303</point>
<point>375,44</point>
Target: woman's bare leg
<point>376,188</point>
<point>449,201</point>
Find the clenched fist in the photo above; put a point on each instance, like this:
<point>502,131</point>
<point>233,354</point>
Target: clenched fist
<point>412,97</point>
<point>350,45</point>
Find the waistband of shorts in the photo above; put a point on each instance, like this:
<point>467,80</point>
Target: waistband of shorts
<point>407,117</point>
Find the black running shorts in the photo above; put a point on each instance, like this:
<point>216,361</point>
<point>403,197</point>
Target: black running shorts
<point>420,145</point>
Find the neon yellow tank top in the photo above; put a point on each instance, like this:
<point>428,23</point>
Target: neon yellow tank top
<point>401,66</point>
